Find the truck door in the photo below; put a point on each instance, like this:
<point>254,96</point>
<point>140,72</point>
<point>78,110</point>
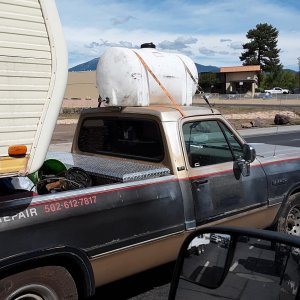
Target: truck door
<point>218,186</point>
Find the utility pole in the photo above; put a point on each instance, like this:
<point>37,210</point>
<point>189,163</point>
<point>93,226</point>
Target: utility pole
<point>299,72</point>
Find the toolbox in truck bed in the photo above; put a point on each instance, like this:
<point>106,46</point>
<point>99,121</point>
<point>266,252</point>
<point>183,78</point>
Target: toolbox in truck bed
<point>119,170</point>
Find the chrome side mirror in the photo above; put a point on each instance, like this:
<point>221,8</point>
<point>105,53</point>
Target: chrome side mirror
<point>249,153</point>
<point>242,165</point>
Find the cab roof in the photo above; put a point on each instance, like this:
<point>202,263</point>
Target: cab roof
<point>164,113</point>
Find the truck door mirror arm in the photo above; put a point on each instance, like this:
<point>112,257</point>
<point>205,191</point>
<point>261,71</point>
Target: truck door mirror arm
<point>243,167</point>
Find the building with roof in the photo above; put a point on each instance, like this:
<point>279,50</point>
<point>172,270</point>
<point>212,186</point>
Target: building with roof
<point>81,85</point>
<point>241,79</point>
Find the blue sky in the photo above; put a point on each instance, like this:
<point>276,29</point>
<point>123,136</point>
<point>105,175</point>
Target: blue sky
<point>210,32</point>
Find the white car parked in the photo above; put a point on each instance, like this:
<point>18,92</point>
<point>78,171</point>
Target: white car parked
<point>277,90</point>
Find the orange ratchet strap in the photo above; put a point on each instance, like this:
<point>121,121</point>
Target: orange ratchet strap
<point>159,83</point>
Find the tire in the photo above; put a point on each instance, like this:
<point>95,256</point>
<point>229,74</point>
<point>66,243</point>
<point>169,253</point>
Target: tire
<point>289,220</point>
<point>44,283</point>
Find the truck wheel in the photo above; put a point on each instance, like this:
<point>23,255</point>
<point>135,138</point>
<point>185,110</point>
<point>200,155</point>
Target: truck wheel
<point>44,283</point>
<point>289,221</point>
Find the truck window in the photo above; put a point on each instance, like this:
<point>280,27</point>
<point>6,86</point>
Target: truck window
<point>233,141</point>
<point>209,143</point>
<point>138,139</point>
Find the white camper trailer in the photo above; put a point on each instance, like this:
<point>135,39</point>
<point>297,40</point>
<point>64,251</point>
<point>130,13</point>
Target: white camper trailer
<point>33,75</point>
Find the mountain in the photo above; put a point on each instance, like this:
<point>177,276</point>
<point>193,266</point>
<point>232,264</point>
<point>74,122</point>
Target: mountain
<point>289,70</point>
<point>92,65</point>
<point>202,68</point>
<point>87,66</point>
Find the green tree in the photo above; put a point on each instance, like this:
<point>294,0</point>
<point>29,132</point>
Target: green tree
<point>207,81</point>
<point>262,49</point>
<point>284,79</point>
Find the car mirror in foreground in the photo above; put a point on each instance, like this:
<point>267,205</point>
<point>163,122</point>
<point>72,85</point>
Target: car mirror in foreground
<point>235,263</point>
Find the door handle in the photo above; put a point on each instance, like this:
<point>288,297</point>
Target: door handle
<point>200,181</point>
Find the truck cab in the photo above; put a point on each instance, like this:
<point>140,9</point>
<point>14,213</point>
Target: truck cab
<point>200,148</point>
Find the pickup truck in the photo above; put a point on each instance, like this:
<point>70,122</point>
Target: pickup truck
<point>277,90</point>
<point>153,177</point>
<point>138,180</point>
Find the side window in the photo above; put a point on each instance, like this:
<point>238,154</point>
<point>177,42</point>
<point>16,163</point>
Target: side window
<point>206,144</point>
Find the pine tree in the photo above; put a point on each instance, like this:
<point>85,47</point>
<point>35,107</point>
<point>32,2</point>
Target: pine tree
<point>262,49</point>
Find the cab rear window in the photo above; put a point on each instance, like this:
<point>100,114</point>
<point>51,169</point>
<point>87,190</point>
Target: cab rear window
<point>138,139</point>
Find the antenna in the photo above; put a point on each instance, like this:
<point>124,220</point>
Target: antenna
<point>207,101</point>
<point>196,83</point>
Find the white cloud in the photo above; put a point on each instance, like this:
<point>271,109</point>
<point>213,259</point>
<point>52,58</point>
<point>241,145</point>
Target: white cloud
<point>122,20</point>
<point>236,45</point>
<point>104,44</point>
<point>225,40</point>
<point>208,52</point>
<point>290,49</point>
<point>217,28</point>
<point>180,43</point>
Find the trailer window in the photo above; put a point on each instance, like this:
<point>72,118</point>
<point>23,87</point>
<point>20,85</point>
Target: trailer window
<point>138,139</point>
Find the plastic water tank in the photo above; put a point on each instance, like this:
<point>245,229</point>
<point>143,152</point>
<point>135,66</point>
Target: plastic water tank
<point>123,80</point>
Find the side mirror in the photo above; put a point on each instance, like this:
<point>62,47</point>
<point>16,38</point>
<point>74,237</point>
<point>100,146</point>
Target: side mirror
<point>237,263</point>
<point>249,153</point>
<point>243,163</point>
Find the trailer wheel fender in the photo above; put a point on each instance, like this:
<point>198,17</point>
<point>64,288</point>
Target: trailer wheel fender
<point>43,283</point>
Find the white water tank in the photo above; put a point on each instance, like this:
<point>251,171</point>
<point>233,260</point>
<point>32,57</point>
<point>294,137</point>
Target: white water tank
<point>123,80</point>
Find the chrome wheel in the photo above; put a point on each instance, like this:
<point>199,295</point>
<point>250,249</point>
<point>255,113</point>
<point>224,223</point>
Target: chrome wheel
<point>34,292</point>
<point>29,297</point>
<point>41,283</point>
<point>293,221</point>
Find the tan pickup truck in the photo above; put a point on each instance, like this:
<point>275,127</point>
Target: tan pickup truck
<point>137,181</point>
<point>140,179</point>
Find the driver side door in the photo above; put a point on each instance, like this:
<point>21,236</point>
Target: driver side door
<point>218,187</point>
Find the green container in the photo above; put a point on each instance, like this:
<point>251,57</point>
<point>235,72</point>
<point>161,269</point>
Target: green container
<point>49,167</point>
